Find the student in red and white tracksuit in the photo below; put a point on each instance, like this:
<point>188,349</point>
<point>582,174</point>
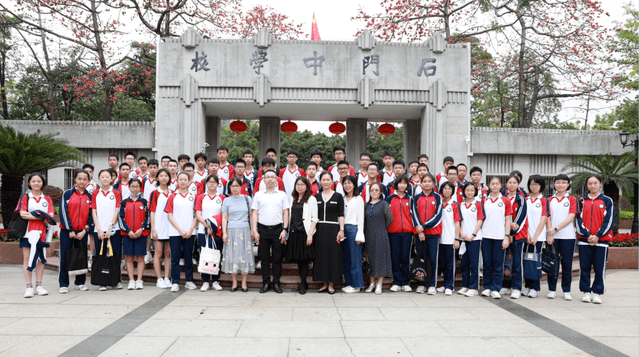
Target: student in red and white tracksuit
<point>75,224</point>
<point>451,218</point>
<point>427,219</point>
<point>180,213</point>
<point>561,233</point>
<point>160,228</point>
<point>472,214</point>
<point>537,215</point>
<point>496,237</point>
<point>519,231</point>
<point>134,228</point>
<point>36,230</point>
<point>595,221</point>
<point>209,204</point>
<point>400,232</point>
<point>105,205</point>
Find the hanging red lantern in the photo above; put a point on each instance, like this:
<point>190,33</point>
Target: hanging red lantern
<point>386,129</point>
<point>289,127</point>
<point>238,127</point>
<point>337,128</point>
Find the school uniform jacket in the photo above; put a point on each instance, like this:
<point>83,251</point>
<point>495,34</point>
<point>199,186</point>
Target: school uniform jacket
<point>75,210</point>
<point>427,212</point>
<point>133,216</point>
<point>401,212</point>
<point>519,216</point>
<point>595,217</point>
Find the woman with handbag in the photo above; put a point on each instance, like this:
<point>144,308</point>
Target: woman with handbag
<point>160,228</point>
<point>302,226</point>
<point>36,230</point>
<point>471,233</point>
<point>537,215</point>
<point>561,233</point>
<point>75,223</point>
<point>377,218</point>
<point>209,204</point>
<point>237,254</point>
<point>496,237</point>
<point>519,231</point>
<point>329,233</point>
<point>449,239</point>
<point>595,222</point>
<point>105,205</point>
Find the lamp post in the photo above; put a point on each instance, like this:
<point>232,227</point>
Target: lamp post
<point>624,140</point>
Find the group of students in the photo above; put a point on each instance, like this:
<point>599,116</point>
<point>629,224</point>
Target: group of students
<point>329,218</point>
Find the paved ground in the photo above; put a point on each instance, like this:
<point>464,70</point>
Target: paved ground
<point>154,322</point>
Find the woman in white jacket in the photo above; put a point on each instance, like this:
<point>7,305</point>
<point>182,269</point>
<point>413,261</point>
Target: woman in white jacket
<point>353,236</point>
<point>302,226</point>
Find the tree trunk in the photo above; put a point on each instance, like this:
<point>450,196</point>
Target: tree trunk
<point>611,190</point>
<point>521,81</point>
<point>11,191</point>
<point>108,89</point>
<point>3,93</point>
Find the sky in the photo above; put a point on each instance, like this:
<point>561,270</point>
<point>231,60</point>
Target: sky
<point>334,23</point>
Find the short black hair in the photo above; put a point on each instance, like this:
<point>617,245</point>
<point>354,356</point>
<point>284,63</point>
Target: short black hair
<point>415,162</point>
<point>450,184</point>
<point>342,162</point>
<point>537,179</point>
<point>447,158</point>
<point>143,158</point>
<point>398,162</point>
<point>423,156</point>
<point>239,161</point>
<point>134,180</point>
<point>294,152</point>
<point>267,161</point>
<point>339,148</point>
<point>124,164</point>
<point>248,152</point>
<point>213,160</point>
<point>422,165</point>
<point>114,155</point>
<point>563,177</point>
<point>461,164</point>
<point>451,168</point>
<point>312,164</point>
<point>316,152</point>
<point>153,162</point>
<point>464,188</point>
<point>44,181</point>
<point>189,164</point>
<point>173,160</point>
<point>111,171</point>
<point>88,166</point>
<point>388,153</point>
<point>184,157</point>
<point>474,169</point>
<point>199,155</point>
<point>399,179</point>
<point>517,173</point>
<point>366,154</point>
<point>222,147</point>
<point>75,176</point>
<point>271,150</point>
<point>130,153</point>
<point>165,157</point>
<point>374,164</point>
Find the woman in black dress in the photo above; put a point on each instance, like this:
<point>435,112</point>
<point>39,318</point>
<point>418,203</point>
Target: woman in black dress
<point>329,233</point>
<point>302,224</point>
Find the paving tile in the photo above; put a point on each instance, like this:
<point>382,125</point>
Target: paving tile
<point>55,326</point>
<point>465,346</point>
<point>547,346</point>
<point>259,328</point>
<point>360,314</point>
<point>246,313</point>
<point>614,328</point>
<point>311,347</point>
<point>627,345</point>
<point>426,313</point>
<point>264,347</point>
<point>491,328</point>
<point>173,328</point>
<point>382,347</point>
<point>139,346</point>
<point>43,346</point>
<point>385,329</point>
<point>8,341</point>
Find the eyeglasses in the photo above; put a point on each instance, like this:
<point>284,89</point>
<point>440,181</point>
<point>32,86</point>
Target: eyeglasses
<point>343,168</point>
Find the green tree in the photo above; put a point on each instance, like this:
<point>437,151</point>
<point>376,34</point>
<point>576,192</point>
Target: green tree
<point>617,174</point>
<point>378,144</point>
<point>237,144</point>
<point>22,154</point>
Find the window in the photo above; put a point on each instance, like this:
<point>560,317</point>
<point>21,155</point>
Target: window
<point>69,178</point>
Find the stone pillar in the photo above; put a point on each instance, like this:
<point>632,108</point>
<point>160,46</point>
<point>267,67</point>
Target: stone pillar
<point>432,137</point>
<point>356,140</point>
<point>213,135</point>
<point>269,137</point>
<point>411,145</point>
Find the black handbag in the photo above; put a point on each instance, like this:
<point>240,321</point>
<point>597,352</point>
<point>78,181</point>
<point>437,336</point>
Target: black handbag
<point>421,268</point>
<point>550,261</point>
<point>105,270</point>
<point>366,265</point>
<point>17,226</point>
<point>508,264</point>
<point>76,259</point>
<point>531,266</point>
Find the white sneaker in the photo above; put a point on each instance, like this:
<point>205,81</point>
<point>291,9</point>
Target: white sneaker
<point>395,288</point>
<point>190,285</point>
<point>471,293</point>
<point>29,292</point>
<point>132,285</point>
<point>161,284</point>
<point>216,286</point>
<point>448,292</point>
<point>496,295</point>
<point>567,296</point>
<point>486,292</point>
<point>421,289</point>
<point>41,291</point>
<point>431,290</point>
<point>597,299</point>
<point>378,289</point>
<point>407,288</point>
<point>102,288</point>
<point>259,265</point>
<point>370,288</point>
<point>440,289</point>
<point>525,291</point>
<point>205,286</point>
<point>462,291</point>
<point>175,288</point>
<point>349,290</point>
<point>551,295</point>
<point>63,290</point>
<point>504,291</point>
<point>139,284</point>
<point>81,288</point>
<point>586,297</point>
<point>533,294</point>
<point>167,282</point>
<point>118,286</point>
<point>516,294</point>
<point>148,258</point>
<point>181,262</point>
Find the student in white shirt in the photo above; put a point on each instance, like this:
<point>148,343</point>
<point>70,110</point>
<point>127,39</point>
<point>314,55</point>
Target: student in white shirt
<point>353,236</point>
<point>289,174</point>
<point>201,171</point>
<point>471,233</point>
<point>387,175</point>
<point>449,238</point>
<point>209,204</point>
<point>442,177</point>
<point>173,171</point>
<point>365,160</point>
<point>160,227</point>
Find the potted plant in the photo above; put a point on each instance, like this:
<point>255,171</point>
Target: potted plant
<point>623,251</point>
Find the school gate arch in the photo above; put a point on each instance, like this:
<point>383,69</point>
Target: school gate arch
<point>425,86</point>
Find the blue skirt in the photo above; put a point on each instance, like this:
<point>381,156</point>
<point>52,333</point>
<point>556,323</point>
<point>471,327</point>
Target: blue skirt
<point>134,247</point>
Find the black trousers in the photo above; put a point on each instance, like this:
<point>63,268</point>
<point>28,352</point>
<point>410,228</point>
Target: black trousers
<point>270,247</point>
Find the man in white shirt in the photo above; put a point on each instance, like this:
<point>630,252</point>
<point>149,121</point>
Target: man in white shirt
<point>269,224</point>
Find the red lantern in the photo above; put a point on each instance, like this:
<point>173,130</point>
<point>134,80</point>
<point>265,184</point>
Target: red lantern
<point>337,128</point>
<point>289,127</point>
<point>238,127</point>
<point>386,129</point>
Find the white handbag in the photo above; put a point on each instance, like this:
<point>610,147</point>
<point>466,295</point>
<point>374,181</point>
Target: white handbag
<point>209,259</point>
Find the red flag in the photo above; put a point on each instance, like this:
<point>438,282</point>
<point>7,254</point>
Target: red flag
<point>315,33</point>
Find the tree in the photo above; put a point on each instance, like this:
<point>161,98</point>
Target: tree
<point>617,174</point>
<point>22,154</point>
<point>5,46</point>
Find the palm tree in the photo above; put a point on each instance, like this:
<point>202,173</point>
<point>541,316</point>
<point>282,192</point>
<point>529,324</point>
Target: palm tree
<point>22,154</point>
<point>617,174</point>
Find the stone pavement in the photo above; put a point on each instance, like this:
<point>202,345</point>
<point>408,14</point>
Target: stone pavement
<point>154,322</point>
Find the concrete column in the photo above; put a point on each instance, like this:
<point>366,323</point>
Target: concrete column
<point>193,129</point>
<point>356,140</point>
<point>432,137</point>
<point>411,146</point>
<point>269,136</point>
<point>212,135</point>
